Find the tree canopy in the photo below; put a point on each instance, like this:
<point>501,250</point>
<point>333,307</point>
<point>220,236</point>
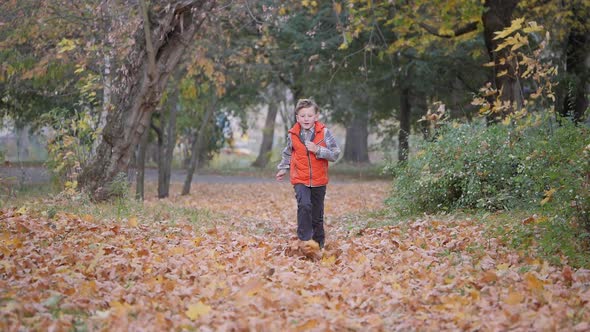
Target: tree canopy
<point>370,64</point>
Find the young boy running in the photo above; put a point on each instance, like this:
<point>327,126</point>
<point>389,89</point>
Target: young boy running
<point>310,145</point>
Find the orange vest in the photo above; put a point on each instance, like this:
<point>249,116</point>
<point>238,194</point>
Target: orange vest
<point>306,168</point>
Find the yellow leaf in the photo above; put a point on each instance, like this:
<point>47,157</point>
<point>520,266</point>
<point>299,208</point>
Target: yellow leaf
<point>528,72</point>
<point>87,289</point>
<point>532,27</point>
<point>502,73</point>
<point>197,310</point>
<point>337,8</point>
<point>66,45</point>
<point>178,251</point>
<point>132,222</point>
<point>197,241</point>
<point>502,267</point>
<point>120,307</point>
<point>22,210</point>
<point>516,25</point>
<point>329,260</point>
<point>533,283</point>
<point>513,297</point>
<point>548,196</point>
<point>313,299</point>
<point>517,46</point>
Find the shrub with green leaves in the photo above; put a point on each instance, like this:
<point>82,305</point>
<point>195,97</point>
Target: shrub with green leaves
<point>69,148</point>
<point>535,162</point>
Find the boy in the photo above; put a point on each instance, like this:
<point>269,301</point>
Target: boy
<point>310,145</point>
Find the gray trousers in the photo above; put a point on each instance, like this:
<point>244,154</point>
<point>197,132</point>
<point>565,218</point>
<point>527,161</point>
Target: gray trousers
<point>310,213</point>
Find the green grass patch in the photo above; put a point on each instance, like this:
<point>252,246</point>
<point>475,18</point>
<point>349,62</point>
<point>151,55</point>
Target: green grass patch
<point>46,201</point>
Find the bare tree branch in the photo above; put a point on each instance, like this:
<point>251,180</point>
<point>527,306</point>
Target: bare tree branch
<point>469,27</point>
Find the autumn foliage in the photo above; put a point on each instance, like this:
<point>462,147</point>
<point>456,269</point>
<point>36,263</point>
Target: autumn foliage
<point>232,269</point>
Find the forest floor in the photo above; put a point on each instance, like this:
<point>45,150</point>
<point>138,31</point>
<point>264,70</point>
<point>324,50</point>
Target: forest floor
<point>222,258</point>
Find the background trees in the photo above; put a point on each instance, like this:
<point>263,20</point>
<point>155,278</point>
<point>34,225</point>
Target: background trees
<point>183,67</point>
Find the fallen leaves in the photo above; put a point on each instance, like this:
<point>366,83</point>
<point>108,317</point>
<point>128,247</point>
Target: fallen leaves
<point>197,310</point>
<point>240,274</point>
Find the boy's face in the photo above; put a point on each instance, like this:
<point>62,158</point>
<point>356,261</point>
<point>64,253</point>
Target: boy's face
<point>306,117</point>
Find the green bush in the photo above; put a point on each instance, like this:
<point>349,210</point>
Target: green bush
<point>534,163</point>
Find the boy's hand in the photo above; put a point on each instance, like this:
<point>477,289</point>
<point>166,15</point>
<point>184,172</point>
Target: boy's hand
<point>281,174</point>
<point>312,147</point>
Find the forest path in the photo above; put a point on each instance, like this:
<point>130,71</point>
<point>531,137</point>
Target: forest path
<point>32,175</point>
<point>231,267</point>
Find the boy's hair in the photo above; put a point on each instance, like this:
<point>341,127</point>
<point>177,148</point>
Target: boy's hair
<point>305,103</point>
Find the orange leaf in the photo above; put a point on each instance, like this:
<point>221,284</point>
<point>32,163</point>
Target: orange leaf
<point>513,297</point>
<point>88,218</point>
<point>567,274</point>
<point>488,276</point>
<point>310,324</point>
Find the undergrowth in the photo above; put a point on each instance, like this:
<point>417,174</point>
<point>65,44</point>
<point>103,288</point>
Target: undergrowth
<point>536,164</point>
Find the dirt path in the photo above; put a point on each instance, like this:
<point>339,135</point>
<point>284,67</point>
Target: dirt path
<point>39,175</point>
<point>233,268</point>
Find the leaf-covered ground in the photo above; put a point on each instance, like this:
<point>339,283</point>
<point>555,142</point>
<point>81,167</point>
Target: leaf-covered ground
<point>234,268</point>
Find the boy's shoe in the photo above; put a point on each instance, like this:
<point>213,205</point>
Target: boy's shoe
<point>311,249</point>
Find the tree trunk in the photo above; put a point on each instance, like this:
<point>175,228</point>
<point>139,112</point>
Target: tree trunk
<point>196,149</point>
<point>22,151</point>
<point>404,125</point>
<point>167,146</point>
<point>497,16</point>
<point>140,165</point>
<point>167,154</point>
<point>577,52</point>
<point>286,107</point>
<point>296,90</point>
<point>357,139</point>
<point>136,93</point>
<point>267,134</point>
<point>105,12</point>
